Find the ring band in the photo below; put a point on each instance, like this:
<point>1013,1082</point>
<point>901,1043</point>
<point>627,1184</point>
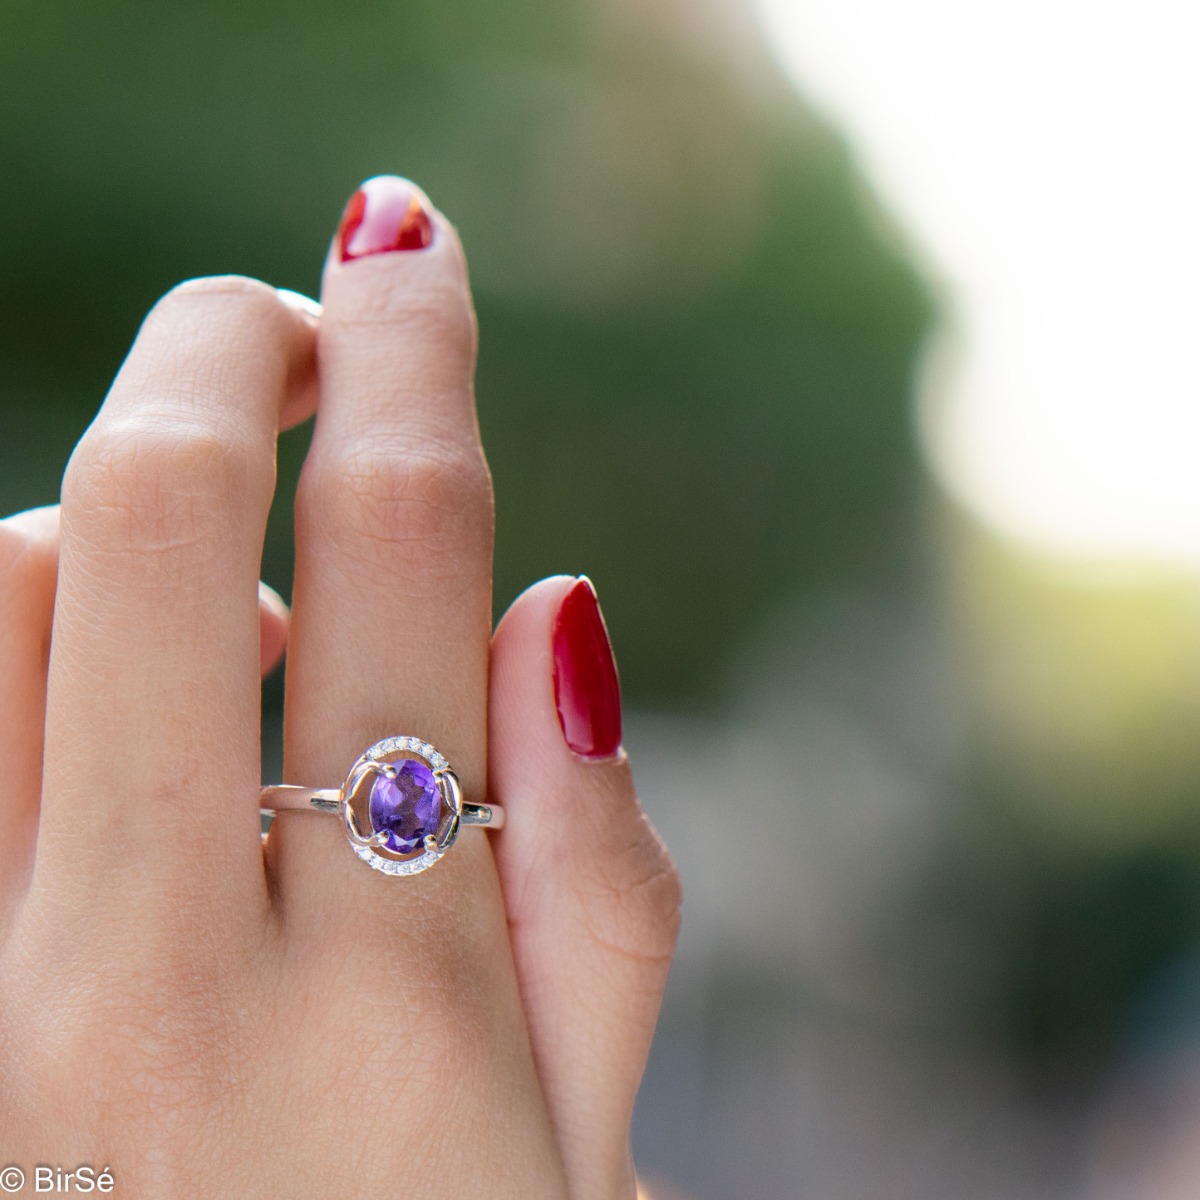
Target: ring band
<point>287,797</point>
<point>401,806</point>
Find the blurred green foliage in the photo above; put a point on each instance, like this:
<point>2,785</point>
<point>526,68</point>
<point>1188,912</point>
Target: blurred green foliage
<point>696,342</point>
<point>697,339</point>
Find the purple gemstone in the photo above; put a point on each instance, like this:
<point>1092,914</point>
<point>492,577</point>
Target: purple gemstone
<point>408,807</point>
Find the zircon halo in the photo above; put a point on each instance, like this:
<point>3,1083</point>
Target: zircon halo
<point>401,806</point>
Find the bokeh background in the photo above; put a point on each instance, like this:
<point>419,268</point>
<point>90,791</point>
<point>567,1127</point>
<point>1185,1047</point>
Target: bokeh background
<point>806,328</point>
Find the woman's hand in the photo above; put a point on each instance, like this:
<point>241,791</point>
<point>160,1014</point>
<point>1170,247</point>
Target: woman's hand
<point>204,1019</point>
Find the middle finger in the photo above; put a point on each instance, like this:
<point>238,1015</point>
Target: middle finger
<point>151,742</point>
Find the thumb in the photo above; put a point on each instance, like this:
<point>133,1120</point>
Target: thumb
<point>592,895</point>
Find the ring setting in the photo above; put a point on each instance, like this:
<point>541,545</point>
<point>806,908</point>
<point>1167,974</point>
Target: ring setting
<point>401,807</point>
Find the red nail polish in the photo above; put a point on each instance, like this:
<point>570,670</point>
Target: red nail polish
<point>586,689</point>
<point>385,214</point>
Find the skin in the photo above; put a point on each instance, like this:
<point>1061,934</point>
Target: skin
<point>205,1019</point>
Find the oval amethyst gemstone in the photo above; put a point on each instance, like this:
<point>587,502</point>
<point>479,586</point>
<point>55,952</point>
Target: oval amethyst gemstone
<point>408,808</point>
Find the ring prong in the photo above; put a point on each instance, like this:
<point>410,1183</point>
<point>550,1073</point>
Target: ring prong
<point>446,839</point>
<point>431,843</point>
<point>451,789</point>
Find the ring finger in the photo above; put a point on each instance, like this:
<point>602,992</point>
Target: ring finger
<point>394,540</point>
<point>390,635</point>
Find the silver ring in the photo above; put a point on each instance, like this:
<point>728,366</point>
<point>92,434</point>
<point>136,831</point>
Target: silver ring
<point>401,806</point>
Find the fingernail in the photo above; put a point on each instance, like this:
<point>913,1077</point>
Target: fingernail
<point>385,214</point>
<point>586,689</point>
<point>304,305</point>
<point>269,598</point>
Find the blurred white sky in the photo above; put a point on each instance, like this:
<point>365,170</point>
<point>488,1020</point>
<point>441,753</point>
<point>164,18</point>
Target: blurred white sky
<point>1043,155</point>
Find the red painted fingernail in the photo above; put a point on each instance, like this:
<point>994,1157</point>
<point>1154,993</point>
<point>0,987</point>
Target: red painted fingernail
<point>586,689</point>
<point>385,214</point>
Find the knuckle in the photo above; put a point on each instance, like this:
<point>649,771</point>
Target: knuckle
<point>433,312</point>
<point>170,461</point>
<point>641,899</point>
<point>429,506</point>
<point>227,298</point>
<point>132,488</point>
<point>150,1039</point>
